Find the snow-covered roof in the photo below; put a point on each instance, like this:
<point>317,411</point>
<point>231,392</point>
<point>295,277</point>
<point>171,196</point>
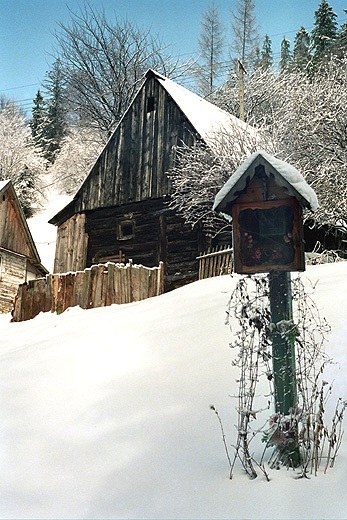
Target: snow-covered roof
<point>284,173</point>
<point>209,120</point>
<point>3,184</point>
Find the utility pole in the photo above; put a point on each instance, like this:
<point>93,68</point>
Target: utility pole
<point>242,71</point>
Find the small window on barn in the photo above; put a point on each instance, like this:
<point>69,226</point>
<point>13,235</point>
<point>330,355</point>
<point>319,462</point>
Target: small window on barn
<point>150,104</point>
<point>125,230</point>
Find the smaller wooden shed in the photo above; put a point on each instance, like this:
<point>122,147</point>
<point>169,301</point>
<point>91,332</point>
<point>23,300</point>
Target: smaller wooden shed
<point>19,259</point>
<point>264,198</point>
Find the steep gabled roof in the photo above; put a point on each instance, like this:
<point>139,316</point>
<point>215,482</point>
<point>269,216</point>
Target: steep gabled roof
<point>210,123</point>
<point>208,119</point>
<point>285,175</point>
<point>6,186</point>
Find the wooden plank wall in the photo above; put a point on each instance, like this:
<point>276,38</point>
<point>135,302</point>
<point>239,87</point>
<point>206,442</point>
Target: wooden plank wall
<point>98,286</point>
<point>215,262</point>
<point>12,234</point>
<point>12,273</point>
<point>71,245</point>
<point>134,163</point>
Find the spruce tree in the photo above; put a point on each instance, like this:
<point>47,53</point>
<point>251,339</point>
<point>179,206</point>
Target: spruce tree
<point>324,34</point>
<point>56,122</point>
<point>286,55</point>
<point>38,120</point>
<point>301,50</point>
<point>266,59</point>
<point>341,42</point>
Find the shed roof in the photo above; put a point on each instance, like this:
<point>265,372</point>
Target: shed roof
<point>285,175</point>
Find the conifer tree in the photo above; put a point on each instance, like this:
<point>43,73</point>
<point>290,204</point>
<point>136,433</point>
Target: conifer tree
<point>245,44</point>
<point>56,121</point>
<point>341,42</point>
<point>301,50</point>
<point>266,59</point>
<point>286,55</point>
<point>211,43</point>
<point>324,33</point>
<point>38,120</point>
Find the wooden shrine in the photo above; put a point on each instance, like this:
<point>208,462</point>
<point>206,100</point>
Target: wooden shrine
<point>264,199</point>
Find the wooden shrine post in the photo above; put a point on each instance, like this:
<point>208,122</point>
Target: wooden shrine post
<point>264,199</point>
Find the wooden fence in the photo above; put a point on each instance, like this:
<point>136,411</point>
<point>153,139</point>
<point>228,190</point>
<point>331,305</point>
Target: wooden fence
<point>97,286</point>
<point>215,262</point>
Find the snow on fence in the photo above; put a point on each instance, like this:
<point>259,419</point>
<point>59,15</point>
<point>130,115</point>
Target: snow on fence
<point>97,286</point>
<point>215,262</point>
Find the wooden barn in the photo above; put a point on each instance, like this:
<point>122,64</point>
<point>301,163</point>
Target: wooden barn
<point>121,211</point>
<point>19,259</point>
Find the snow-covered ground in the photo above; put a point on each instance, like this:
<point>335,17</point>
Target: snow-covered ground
<point>106,413</point>
<point>45,234</point>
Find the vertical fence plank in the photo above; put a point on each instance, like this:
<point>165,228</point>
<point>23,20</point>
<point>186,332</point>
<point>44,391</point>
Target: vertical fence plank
<point>99,285</point>
<point>215,262</point>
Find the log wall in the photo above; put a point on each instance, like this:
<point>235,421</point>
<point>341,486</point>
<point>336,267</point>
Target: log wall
<point>98,286</point>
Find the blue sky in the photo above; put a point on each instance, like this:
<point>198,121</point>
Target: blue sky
<point>27,26</point>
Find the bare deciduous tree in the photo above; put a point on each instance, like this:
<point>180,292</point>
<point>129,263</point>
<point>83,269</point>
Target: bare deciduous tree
<point>104,63</point>
<point>79,150</point>
<point>305,123</point>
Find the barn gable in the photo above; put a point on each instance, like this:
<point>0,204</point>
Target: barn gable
<point>19,259</point>
<point>133,165</point>
<point>14,231</point>
<point>120,211</point>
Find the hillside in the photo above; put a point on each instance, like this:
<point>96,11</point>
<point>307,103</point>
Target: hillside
<point>105,413</point>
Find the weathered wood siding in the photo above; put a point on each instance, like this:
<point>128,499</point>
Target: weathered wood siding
<point>12,273</point>
<point>71,246</point>
<point>133,164</point>
<point>12,233</point>
<point>99,286</point>
<point>129,184</point>
<point>159,235</point>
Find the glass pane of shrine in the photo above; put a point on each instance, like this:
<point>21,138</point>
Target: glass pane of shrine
<point>266,236</point>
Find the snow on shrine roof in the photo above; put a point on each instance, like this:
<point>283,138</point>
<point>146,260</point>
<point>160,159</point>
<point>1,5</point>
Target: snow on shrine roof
<point>209,120</point>
<point>284,173</point>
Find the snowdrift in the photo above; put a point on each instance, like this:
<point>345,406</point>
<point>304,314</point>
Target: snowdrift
<point>105,413</point>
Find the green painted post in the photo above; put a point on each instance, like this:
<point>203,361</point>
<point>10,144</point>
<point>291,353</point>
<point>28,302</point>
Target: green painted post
<point>282,341</point>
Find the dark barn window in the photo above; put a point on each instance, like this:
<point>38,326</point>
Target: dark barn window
<point>150,104</point>
<point>125,230</point>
